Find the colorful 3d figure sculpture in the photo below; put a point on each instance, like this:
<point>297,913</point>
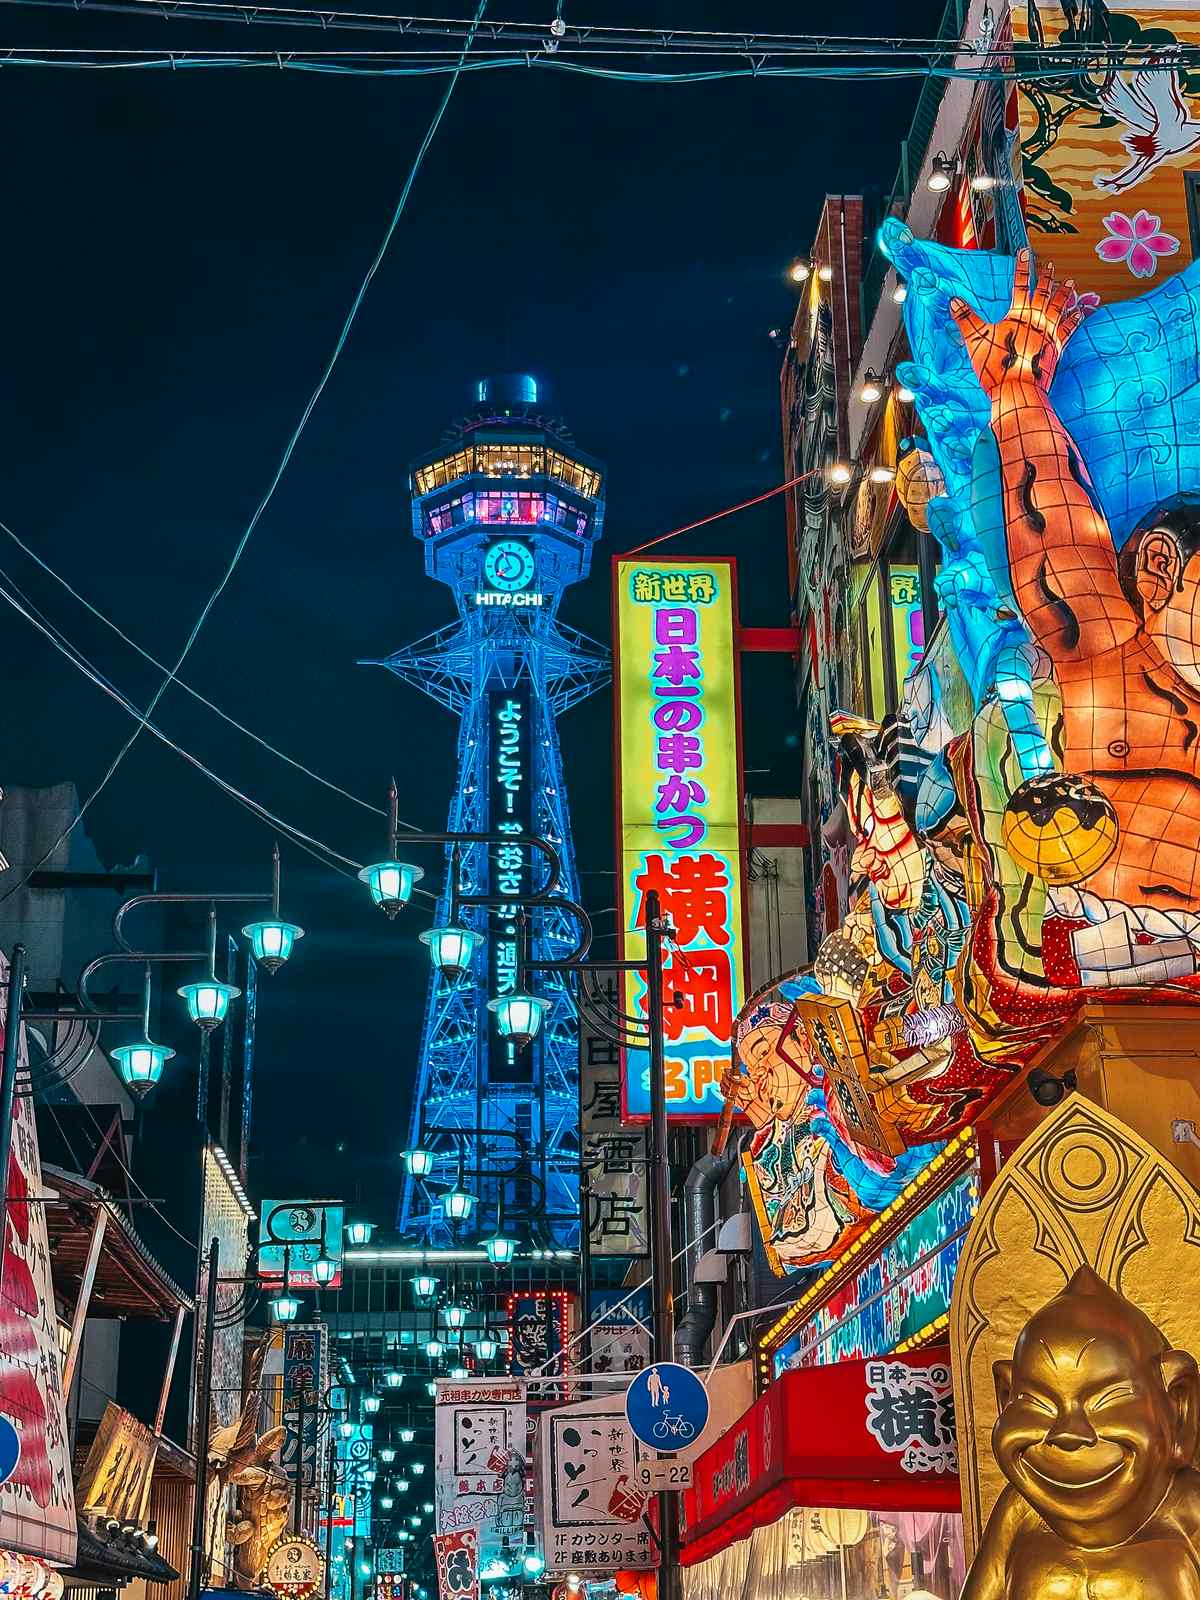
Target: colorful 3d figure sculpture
<point>1096,1437</point>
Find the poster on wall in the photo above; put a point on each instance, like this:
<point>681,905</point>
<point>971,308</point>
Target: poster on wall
<point>615,1157</point>
<point>679,807</point>
<point>592,1508</point>
<point>115,1480</point>
<point>37,1497</point>
<point>481,1461</point>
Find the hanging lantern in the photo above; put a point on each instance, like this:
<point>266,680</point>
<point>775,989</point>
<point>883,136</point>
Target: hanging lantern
<point>346,1429</point>
<point>272,941</point>
<point>324,1269</point>
<point>141,1065</point>
<point>454,1316</point>
<point>359,1233</point>
<point>402,1485</point>
<point>387,1455</point>
<point>419,1162</point>
<point>500,1250</point>
<point>487,1348</point>
<point>519,1017</point>
<point>457,1204</point>
<point>418,1467</point>
<point>391,884</point>
<point>451,950</point>
<point>285,1308</point>
<point>431,1389</point>
<point>208,1001</point>
<point>393,1379</point>
<point>371,1404</point>
<point>386,1502</point>
<point>407,1435</point>
<point>424,1286</point>
<point>434,1348</point>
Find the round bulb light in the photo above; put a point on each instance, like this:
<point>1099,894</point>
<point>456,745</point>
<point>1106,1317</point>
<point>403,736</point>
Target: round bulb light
<point>141,1065</point>
<point>391,884</point>
<point>208,1001</point>
<point>387,1455</point>
<point>799,270</point>
<point>272,941</point>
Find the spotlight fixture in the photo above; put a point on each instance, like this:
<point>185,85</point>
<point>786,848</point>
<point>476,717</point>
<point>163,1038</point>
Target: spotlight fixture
<point>900,293</point>
<point>941,174</point>
<point>882,474</point>
<point>799,271</point>
<point>825,273</point>
<point>840,473</point>
<point>872,388</point>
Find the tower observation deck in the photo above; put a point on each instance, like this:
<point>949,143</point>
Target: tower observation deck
<point>507,512</point>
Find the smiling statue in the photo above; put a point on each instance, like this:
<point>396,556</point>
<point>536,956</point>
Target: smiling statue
<point>1096,1436</point>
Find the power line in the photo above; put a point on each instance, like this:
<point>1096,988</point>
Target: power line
<point>280,469</point>
<point>715,516</point>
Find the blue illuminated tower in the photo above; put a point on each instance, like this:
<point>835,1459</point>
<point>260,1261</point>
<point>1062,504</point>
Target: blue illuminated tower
<point>508,511</point>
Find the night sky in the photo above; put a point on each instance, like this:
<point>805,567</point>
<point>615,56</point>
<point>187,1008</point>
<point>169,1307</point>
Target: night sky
<point>180,251</point>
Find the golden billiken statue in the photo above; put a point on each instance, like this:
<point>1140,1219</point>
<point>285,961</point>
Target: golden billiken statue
<point>1096,1437</point>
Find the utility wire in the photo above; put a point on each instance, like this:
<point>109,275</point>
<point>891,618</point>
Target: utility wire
<point>716,516</point>
<point>280,469</point>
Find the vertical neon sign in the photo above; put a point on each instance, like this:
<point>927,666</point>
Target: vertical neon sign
<point>508,724</point>
<point>679,804</point>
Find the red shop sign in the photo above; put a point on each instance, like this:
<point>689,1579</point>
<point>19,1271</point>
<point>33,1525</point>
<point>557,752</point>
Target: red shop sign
<point>874,1435</point>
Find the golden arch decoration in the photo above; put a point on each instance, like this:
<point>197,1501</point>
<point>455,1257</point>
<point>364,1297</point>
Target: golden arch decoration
<point>1082,1190</point>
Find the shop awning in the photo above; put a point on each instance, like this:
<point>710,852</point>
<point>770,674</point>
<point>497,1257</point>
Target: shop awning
<point>872,1435</point>
<point>129,1281</point>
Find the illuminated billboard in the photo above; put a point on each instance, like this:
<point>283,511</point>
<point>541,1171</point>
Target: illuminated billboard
<point>679,794</point>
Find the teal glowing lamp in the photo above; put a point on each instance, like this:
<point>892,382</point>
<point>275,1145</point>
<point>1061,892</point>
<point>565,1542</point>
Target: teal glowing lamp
<point>500,1250</point>
<point>407,1435</point>
<point>414,1522</point>
<point>391,884</point>
<point>533,1564</point>
<point>451,950</point>
<point>403,1534</point>
<point>371,1404</point>
<point>431,1389</point>
<point>457,1204</point>
<point>141,1065</point>
<point>346,1429</point>
<point>387,1455</point>
<point>454,1316</point>
<point>434,1348</point>
<point>460,1373</point>
<point>427,1506</point>
<point>359,1233</point>
<point>424,1286</point>
<point>272,941</point>
<point>418,1467</point>
<point>370,1475</point>
<point>324,1269</point>
<point>208,1001</point>
<point>394,1379</point>
<point>402,1485</point>
<point>285,1308</point>
<point>519,1017</point>
<point>386,1502</point>
<point>419,1162</point>
<point>487,1348</point>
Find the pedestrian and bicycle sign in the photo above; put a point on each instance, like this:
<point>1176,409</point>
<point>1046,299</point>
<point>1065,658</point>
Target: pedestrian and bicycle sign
<point>666,1406</point>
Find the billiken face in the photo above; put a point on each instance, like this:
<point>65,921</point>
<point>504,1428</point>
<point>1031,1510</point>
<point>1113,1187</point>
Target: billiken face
<point>1096,1415</point>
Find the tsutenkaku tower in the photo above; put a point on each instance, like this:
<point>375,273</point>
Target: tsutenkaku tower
<point>508,511</point>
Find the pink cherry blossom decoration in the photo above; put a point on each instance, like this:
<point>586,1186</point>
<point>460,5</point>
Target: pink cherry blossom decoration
<point>1136,240</point>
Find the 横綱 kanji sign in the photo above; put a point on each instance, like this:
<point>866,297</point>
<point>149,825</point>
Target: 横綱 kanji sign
<point>679,797</point>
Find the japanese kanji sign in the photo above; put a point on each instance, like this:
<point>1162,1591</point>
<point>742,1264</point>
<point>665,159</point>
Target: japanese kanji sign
<point>615,1157</point>
<point>871,1435</point>
<point>37,1499</point>
<point>509,796</point>
<point>457,1557</point>
<point>304,1348</point>
<point>295,1568</point>
<point>481,1462</point>
<point>591,1504</point>
<point>306,1228</point>
<point>679,800</point>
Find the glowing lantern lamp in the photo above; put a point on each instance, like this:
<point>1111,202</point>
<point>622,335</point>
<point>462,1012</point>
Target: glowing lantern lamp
<point>454,1316</point>
<point>487,1348</point>
<point>534,1564</point>
<point>371,1404</point>
<point>434,1348</point>
<point>387,1455</point>
<point>407,1435</point>
<point>285,1308</point>
<point>386,1502</point>
<point>359,1233</point>
<point>324,1269</point>
<point>141,1065</point>
<point>346,1429</point>
<point>457,1204</point>
<point>393,1379</point>
<point>272,941</point>
<point>424,1286</point>
<point>500,1250</point>
<point>519,1017</point>
<point>419,1162</point>
<point>402,1485</point>
<point>451,950</point>
<point>391,884</point>
<point>418,1467</point>
<point>431,1390</point>
<point>208,1001</point>
<point>460,1373</point>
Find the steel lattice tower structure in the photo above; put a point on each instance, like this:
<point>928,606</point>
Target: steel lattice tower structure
<point>507,510</point>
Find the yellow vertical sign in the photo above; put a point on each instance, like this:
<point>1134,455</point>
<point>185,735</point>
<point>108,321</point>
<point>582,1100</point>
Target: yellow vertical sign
<point>679,817</point>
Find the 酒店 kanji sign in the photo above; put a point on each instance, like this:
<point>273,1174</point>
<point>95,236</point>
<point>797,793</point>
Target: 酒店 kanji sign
<point>679,784</point>
<point>872,1435</point>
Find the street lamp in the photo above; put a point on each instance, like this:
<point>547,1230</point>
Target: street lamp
<point>393,1379</point>
<point>359,1233</point>
<point>208,999</point>
<point>272,941</point>
<point>391,884</point>
<point>519,1017</point>
<point>387,1455</point>
<point>451,950</point>
<point>431,1389</point>
<point>459,1374</point>
<point>418,1467</point>
<point>141,1065</point>
<point>424,1286</point>
<point>386,1502</point>
<point>487,1348</point>
<point>324,1269</point>
<point>371,1404</point>
<point>434,1348</point>
<point>454,1316</point>
<point>407,1435</point>
<point>285,1308</point>
<point>457,1204</point>
<point>500,1250</point>
<point>419,1162</point>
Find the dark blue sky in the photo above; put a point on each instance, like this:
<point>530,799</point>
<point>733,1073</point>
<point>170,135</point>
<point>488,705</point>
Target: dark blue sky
<point>180,252</point>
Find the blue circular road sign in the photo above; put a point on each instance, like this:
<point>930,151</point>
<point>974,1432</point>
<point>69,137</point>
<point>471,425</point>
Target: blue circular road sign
<point>666,1406</point>
<point>10,1449</point>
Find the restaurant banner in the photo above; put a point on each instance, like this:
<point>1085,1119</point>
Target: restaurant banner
<point>37,1494</point>
<point>874,1435</point>
<point>481,1462</point>
<point>115,1481</point>
<point>300,1231</point>
<point>615,1158</point>
<point>592,1508</point>
<point>679,809</point>
<point>457,1557</point>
